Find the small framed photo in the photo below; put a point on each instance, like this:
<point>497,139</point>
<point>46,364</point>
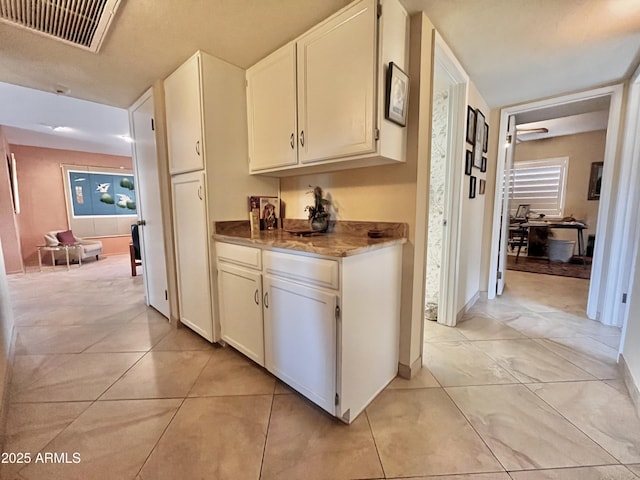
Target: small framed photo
<point>468,162</point>
<point>479,138</point>
<point>595,181</point>
<point>482,186</point>
<point>471,125</point>
<point>483,165</point>
<point>269,213</point>
<point>472,187</point>
<point>397,104</point>
<point>485,142</point>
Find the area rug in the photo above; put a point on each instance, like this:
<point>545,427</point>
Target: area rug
<point>542,265</point>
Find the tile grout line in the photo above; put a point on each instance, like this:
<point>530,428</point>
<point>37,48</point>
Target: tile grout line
<point>375,444</point>
<point>266,435</point>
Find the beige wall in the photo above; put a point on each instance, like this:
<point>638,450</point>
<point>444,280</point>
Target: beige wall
<point>9,228</point>
<point>473,217</point>
<point>582,149</point>
<point>385,193</point>
<point>6,331</point>
<point>43,206</point>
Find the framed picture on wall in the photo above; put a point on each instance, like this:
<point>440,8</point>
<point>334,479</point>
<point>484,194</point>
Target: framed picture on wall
<point>485,142</point>
<point>479,138</point>
<point>481,188</point>
<point>468,162</point>
<point>397,95</point>
<point>472,187</point>
<point>595,181</point>
<point>471,124</point>
<point>483,165</point>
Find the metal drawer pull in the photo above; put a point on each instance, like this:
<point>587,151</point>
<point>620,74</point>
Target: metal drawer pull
<point>266,300</point>
<point>302,138</point>
<point>198,147</point>
<point>255,297</point>
<point>292,141</point>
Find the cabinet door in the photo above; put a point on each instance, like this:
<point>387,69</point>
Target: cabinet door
<point>336,86</point>
<point>271,111</point>
<point>300,339</point>
<point>184,118</point>
<point>192,252</point>
<point>240,293</point>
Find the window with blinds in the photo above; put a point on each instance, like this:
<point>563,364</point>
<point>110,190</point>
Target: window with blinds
<point>539,183</point>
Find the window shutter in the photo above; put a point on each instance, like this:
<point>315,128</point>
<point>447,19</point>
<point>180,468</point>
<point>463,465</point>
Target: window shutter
<point>539,183</point>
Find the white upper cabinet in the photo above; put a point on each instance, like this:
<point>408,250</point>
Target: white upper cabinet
<point>327,88</point>
<point>183,92</point>
<point>336,85</point>
<point>272,113</point>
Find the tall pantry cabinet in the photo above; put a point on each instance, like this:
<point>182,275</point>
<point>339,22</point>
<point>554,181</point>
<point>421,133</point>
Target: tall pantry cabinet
<point>205,102</point>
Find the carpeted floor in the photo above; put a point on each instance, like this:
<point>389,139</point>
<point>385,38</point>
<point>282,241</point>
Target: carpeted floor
<point>542,265</point>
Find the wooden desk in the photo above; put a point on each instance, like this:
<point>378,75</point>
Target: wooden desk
<point>577,226</point>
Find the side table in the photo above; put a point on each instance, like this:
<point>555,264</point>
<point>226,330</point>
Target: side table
<point>56,248</point>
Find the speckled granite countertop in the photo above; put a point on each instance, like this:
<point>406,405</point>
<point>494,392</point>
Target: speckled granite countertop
<point>343,239</point>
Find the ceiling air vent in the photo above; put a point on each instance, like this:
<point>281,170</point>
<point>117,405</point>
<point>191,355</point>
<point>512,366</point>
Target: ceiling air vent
<point>82,23</point>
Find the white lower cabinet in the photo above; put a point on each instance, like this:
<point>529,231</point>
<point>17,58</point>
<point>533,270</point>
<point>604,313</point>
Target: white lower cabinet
<point>300,338</point>
<point>329,326</point>
<point>240,294</point>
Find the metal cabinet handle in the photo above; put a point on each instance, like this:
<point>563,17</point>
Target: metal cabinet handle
<point>292,141</point>
<point>266,299</point>
<point>302,138</point>
<point>200,192</point>
<point>255,297</point>
<point>198,147</point>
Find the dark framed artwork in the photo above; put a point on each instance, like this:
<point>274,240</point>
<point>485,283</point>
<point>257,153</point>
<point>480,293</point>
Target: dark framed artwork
<point>479,138</point>
<point>483,165</point>
<point>472,187</point>
<point>468,162</point>
<point>595,181</point>
<point>485,141</point>
<point>471,124</point>
<point>397,102</point>
<point>482,186</point>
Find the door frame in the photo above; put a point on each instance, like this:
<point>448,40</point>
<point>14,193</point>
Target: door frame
<point>607,233</point>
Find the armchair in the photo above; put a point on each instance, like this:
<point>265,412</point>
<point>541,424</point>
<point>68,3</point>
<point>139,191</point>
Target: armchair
<point>85,248</point>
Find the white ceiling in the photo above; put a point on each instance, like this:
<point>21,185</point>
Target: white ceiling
<point>514,50</point>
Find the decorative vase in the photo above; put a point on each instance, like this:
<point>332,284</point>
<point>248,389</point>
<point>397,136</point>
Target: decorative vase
<point>320,224</point>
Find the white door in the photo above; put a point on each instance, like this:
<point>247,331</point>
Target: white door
<point>272,111</point>
<point>336,86</point>
<point>184,118</point>
<point>240,294</point>
<point>503,198</point>
<point>192,252</point>
<point>149,209</point>
<point>300,339</point>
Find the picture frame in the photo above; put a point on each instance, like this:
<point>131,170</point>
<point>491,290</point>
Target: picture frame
<point>523,210</point>
<point>397,98</point>
<point>482,186</point>
<point>485,142</point>
<point>471,124</point>
<point>483,165</point>
<point>264,212</point>
<point>479,138</point>
<point>472,187</point>
<point>468,162</point>
<point>595,181</point>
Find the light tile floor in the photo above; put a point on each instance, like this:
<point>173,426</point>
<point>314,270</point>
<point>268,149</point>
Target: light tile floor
<point>524,389</point>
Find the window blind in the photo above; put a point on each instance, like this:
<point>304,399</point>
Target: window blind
<point>539,183</point>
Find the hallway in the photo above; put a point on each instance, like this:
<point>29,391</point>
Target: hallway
<point>520,390</point>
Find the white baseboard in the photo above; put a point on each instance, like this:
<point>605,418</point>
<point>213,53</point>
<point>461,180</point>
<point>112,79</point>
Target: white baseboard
<point>468,306</point>
<point>632,387</point>
<point>409,371</point>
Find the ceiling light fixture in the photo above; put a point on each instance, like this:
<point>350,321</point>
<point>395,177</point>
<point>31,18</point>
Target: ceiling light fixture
<point>527,131</point>
<point>61,129</point>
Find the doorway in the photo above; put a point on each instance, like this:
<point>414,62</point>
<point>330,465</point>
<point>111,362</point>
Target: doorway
<point>604,233</point>
<point>445,186</point>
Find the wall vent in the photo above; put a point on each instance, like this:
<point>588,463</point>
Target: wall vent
<point>82,23</point>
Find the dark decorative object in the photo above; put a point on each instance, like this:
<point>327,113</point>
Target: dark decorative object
<point>482,186</point>
<point>397,101</point>
<point>483,165</point>
<point>468,162</point>
<point>471,125</point>
<point>472,187</point>
<point>595,181</point>
<point>477,146</point>
<point>318,213</point>
<point>485,142</point>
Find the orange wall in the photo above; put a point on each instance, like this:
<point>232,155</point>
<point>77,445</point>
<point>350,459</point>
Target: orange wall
<point>9,232</point>
<point>43,206</point>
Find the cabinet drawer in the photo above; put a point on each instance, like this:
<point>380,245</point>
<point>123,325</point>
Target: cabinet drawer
<point>238,254</point>
<point>313,271</point>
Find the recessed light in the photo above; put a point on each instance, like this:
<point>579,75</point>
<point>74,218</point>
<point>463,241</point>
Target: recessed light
<point>61,128</point>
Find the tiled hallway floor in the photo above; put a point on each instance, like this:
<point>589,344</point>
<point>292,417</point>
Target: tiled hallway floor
<point>522,390</point>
